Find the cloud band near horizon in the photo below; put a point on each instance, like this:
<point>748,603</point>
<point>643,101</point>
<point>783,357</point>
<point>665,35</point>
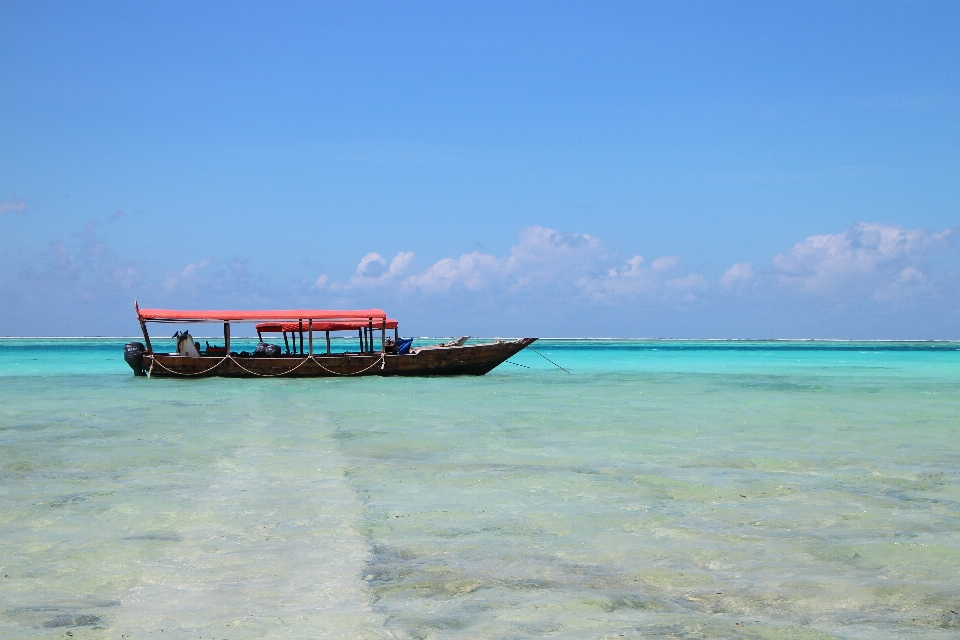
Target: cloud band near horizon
<point>868,260</point>
<point>884,268</point>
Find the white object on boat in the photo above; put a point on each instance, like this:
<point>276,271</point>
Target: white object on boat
<point>186,346</point>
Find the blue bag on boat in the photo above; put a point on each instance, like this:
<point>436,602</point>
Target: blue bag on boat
<point>403,345</point>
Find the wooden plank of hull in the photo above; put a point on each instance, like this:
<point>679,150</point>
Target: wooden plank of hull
<point>429,361</point>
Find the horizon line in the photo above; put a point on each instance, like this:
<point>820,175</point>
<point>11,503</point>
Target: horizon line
<point>540,338</point>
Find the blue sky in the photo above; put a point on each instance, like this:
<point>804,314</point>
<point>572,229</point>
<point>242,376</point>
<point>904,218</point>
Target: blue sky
<point>683,169</point>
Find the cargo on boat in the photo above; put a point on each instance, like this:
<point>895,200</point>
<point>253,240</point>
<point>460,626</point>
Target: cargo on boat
<point>306,349</point>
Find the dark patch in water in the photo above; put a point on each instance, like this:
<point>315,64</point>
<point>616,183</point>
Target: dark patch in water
<point>632,602</point>
<point>159,537</point>
<point>586,470</point>
<point>77,497</point>
<point>529,584</point>
<point>352,434</point>
<point>783,386</point>
<point>60,615</point>
<point>66,620</point>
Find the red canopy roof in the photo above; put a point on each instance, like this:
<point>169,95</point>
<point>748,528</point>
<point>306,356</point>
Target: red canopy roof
<point>353,325</point>
<point>171,315</point>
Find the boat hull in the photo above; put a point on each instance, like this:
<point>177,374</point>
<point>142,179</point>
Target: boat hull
<point>476,359</point>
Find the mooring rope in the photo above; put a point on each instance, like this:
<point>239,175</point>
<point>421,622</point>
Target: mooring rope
<point>154,361</point>
<point>547,359</point>
<point>381,361</point>
<point>270,375</point>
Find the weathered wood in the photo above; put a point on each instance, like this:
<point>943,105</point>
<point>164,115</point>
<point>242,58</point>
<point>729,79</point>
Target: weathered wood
<point>146,336</point>
<point>476,359</point>
<point>226,336</point>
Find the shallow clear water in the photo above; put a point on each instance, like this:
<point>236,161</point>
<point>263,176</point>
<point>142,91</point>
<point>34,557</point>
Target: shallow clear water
<point>658,490</point>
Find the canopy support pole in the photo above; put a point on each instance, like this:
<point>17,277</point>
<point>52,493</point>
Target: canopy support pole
<point>301,336</point>
<point>310,332</point>
<point>396,334</point>
<point>226,336</point>
<point>383,336</point>
<point>146,336</point>
<point>360,333</point>
<point>370,333</point>
<point>285,343</point>
<point>328,343</point>
<point>259,336</point>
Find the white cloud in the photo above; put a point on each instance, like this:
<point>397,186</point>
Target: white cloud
<point>88,268</point>
<point>63,261</point>
<point>191,270</point>
<point>739,274</point>
<point>688,282</point>
<point>666,263</point>
<point>873,267</point>
<point>664,278</point>
<point>881,260</point>
<point>12,205</point>
<point>547,255</point>
<point>189,276</point>
<point>373,272</point>
<point>472,271</point>
<point>542,257</point>
<point>549,268</point>
<point>543,262</point>
<point>238,268</point>
<point>368,263</point>
<point>124,276</point>
<point>401,262</point>
<point>88,230</point>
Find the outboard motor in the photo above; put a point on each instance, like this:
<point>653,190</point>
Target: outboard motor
<point>133,355</point>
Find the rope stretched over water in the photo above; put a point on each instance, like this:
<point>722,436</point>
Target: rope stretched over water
<point>547,359</point>
<point>153,361</point>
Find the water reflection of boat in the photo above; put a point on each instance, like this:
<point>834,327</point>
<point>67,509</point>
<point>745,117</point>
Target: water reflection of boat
<point>377,354</point>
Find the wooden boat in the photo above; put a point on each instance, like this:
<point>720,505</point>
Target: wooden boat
<point>394,357</point>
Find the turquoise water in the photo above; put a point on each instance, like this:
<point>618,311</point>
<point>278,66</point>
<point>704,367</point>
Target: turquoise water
<point>658,490</point>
